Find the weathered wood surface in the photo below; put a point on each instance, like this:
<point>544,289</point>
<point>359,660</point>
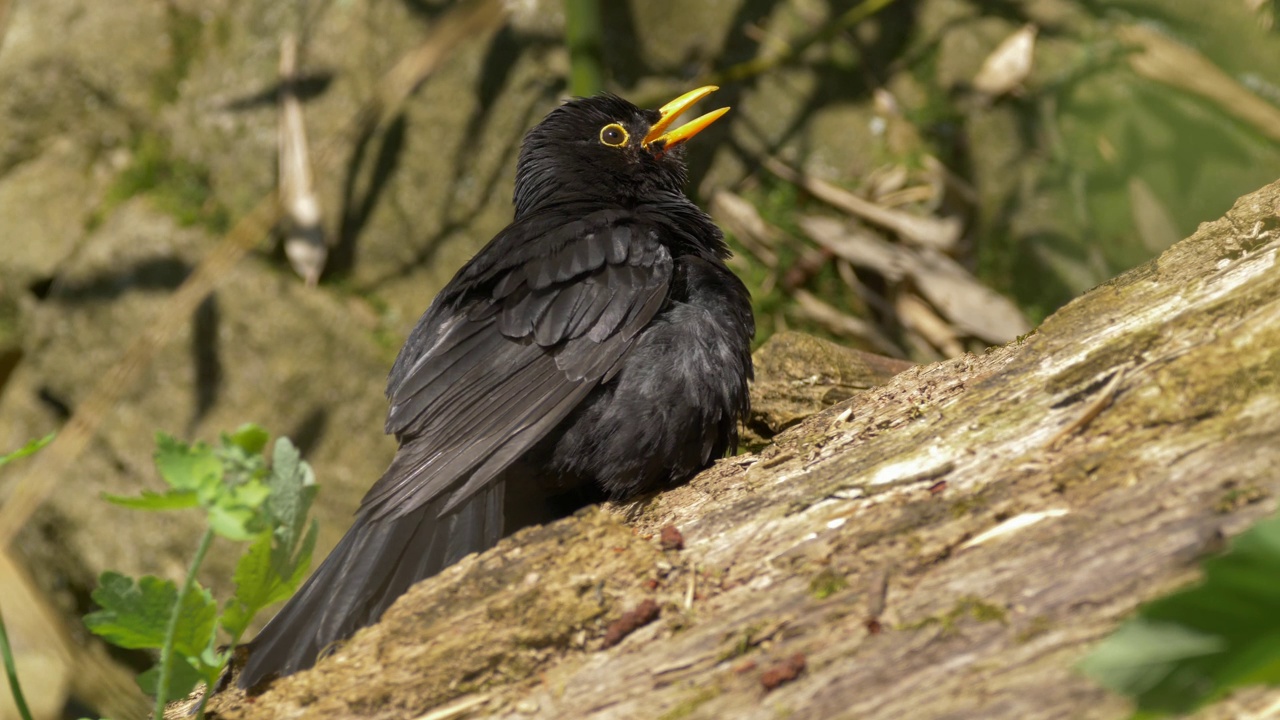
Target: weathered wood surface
<point>1139,424</point>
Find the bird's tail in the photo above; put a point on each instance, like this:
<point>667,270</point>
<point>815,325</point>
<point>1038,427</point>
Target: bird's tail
<point>374,563</point>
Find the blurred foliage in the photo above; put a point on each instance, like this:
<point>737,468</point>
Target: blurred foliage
<point>1198,644</point>
<point>583,36</point>
<point>184,31</point>
<point>177,186</point>
<point>1090,166</point>
<point>245,499</point>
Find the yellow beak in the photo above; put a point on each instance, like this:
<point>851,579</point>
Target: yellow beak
<point>673,110</point>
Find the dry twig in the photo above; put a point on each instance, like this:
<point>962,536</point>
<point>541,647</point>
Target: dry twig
<point>742,220</point>
<point>939,233</point>
<point>918,316</point>
<point>1176,65</point>
<point>970,306</point>
<point>843,324</point>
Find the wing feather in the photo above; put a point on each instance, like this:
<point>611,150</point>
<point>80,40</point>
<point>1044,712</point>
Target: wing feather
<point>600,296</point>
<point>501,362</point>
<point>561,313</point>
<point>619,243</point>
<point>423,388</point>
<point>616,310</point>
<point>581,257</point>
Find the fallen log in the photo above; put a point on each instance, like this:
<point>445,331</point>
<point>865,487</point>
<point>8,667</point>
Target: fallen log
<point>947,545</point>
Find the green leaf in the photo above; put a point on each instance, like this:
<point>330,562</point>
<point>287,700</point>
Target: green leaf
<point>242,463</point>
<point>188,468</point>
<point>1142,653</point>
<point>183,678</point>
<point>135,616</point>
<point>197,623</point>
<point>302,560</point>
<point>233,523</point>
<point>251,495</point>
<point>248,437</point>
<point>172,500</point>
<point>1198,644</point>
<point>254,584</point>
<point>293,487</point>
<point>213,659</point>
<point>244,500</point>
<point>29,449</point>
<point>261,580</point>
<point>132,616</point>
<point>236,513</point>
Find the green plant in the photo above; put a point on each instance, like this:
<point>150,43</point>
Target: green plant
<point>11,672</point>
<point>244,499</point>
<point>29,449</point>
<point>177,186</point>
<point>1198,644</point>
<point>6,653</point>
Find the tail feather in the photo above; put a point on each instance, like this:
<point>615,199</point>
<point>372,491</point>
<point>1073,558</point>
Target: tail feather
<point>373,565</point>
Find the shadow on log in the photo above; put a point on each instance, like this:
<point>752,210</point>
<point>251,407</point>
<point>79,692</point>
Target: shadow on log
<point>946,545</point>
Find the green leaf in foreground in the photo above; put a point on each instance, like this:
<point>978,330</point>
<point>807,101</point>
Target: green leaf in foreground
<point>1197,644</point>
<point>293,487</point>
<point>134,615</point>
<point>243,499</point>
<point>250,438</point>
<point>148,500</point>
<point>277,561</point>
<point>260,581</point>
<point>182,679</point>
<point>188,468</point>
<point>231,522</point>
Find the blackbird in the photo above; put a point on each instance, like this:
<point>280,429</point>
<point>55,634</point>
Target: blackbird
<point>598,347</point>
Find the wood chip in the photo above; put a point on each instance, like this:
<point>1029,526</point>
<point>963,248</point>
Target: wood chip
<point>1009,65</point>
<point>784,672</point>
<point>670,538</point>
<point>644,613</point>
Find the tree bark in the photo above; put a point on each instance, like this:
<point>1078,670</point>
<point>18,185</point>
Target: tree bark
<point>946,545</point>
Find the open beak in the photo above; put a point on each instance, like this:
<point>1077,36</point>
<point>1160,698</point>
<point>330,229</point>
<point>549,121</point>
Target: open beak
<point>673,110</point>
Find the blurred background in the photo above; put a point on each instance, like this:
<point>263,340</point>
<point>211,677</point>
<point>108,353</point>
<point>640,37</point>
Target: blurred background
<point>917,178</point>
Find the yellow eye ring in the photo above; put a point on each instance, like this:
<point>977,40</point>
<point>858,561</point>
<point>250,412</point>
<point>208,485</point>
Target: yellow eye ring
<point>614,135</point>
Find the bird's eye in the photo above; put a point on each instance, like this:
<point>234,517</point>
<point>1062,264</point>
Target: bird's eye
<point>613,135</point>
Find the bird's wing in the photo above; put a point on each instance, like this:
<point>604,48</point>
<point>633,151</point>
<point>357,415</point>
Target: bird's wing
<point>494,369</point>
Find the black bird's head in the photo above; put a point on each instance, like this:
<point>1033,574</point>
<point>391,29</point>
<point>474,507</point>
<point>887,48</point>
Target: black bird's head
<point>605,149</point>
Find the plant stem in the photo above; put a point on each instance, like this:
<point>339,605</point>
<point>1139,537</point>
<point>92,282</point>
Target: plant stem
<point>11,669</point>
<point>204,700</point>
<point>166,652</point>
<point>584,36</point>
